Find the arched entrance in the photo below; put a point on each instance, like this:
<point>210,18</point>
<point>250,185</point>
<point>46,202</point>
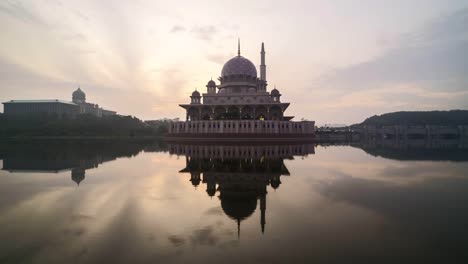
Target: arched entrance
<point>233,113</point>
<point>193,114</point>
<point>206,113</point>
<point>276,113</point>
<point>220,113</point>
<point>247,113</point>
<point>261,113</point>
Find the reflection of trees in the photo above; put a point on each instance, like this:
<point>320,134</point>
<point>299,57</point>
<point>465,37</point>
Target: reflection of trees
<point>415,149</point>
<point>76,155</point>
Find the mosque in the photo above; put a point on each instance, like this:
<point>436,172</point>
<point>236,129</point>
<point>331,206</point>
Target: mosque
<point>239,104</point>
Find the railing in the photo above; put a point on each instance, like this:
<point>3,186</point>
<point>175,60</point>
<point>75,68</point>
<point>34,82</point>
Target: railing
<point>242,127</point>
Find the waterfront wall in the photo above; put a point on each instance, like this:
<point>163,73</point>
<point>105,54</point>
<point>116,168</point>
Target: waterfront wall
<point>405,131</point>
<point>220,127</point>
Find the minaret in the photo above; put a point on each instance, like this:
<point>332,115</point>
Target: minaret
<point>262,211</point>
<point>238,47</point>
<point>262,65</point>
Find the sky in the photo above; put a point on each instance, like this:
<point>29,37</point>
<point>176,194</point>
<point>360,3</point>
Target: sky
<point>334,61</point>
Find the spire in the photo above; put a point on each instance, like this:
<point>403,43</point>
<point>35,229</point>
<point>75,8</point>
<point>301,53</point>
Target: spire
<point>238,47</point>
<point>262,212</point>
<point>262,63</point>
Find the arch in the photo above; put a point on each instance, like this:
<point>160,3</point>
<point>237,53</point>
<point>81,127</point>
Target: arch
<point>247,113</point>
<point>207,113</point>
<point>220,113</point>
<point>233,113</point>
<point>276,113</point>
<point>193,114</point>
<point>261,113</point>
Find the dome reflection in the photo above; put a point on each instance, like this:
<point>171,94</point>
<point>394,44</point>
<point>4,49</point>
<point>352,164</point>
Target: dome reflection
<point>239,174</point>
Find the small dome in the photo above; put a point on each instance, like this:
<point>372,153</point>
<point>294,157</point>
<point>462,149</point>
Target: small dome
<point>275,92</point>
<point>239,66</point>
<point>211,83</point>
<point>222,90</point>
<point>252,90</point>
<point>196,94</point>
<point>78,96</point>
<point>78,92</point>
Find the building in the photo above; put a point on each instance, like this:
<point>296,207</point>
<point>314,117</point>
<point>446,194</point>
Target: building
<point>46,107</point>
<point>56,107</point>
<point>239,104</point>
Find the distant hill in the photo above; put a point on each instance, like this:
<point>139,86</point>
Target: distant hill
<point>439,118</point>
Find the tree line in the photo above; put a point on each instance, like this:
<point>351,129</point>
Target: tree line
<point>79,126</point>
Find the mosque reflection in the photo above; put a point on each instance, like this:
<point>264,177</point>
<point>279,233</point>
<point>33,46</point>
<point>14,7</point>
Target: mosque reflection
<point>240,175</point>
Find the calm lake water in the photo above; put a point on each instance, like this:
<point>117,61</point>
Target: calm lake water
<point>152,202</point>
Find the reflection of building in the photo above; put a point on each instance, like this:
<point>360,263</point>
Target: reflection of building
<point>38,163</point>
<point>239,105</point>
<point>240,174</point>
<point>59,108</point>
<point>55,157</point>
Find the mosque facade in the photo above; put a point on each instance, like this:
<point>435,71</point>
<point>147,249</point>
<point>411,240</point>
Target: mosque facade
<point>239,103</point>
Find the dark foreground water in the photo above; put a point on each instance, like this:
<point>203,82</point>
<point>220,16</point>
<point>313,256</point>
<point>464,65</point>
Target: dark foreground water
<point>152,202</point>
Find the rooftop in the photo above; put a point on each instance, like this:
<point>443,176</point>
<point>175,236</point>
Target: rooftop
<point>39,101</point>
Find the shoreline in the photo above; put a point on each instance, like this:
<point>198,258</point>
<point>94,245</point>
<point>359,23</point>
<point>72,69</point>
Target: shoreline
<point>33,138</point>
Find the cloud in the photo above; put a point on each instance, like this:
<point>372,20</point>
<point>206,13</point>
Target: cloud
<point>204,236</point>
<point>177,29</point>
<point>73,36</point>
<point>436,53</point>
<point>177,241</point>
<point>217,58</point>
<point>409,205</point>
<point>422,70</point>
<point>205,32</point>
<point>214,211</point>
<point>173,80</point>
<point>18,11</point>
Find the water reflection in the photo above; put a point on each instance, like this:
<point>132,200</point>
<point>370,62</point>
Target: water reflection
<point>74,156</point>
<point>148,202</point>
<point>239,174</point>
<point>431,149</point>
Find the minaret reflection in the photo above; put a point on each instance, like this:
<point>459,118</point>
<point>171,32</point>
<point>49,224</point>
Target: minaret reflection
<point>239,174</point>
